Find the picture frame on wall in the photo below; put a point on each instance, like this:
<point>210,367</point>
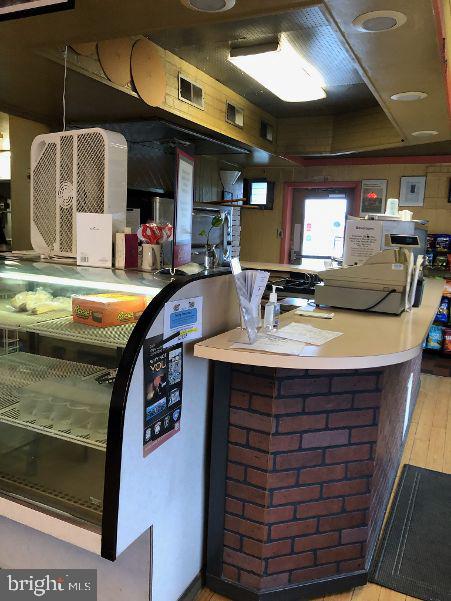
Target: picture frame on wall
<point>411,193</point>
<point>15,9</point>
<point>373,197</point>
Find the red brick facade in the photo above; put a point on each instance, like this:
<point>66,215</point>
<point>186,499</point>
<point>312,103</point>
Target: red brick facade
<point>301,450</point>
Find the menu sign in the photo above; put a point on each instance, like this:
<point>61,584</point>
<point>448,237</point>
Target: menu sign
<point>13,9</point>
<point>183,209</point>
<point>163,386</point>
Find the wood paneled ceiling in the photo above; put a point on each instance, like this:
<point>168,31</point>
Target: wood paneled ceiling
<point>360,68</point>
<point>308,31</point>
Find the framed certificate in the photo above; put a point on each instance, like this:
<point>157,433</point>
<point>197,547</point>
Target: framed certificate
<point>412,190</point>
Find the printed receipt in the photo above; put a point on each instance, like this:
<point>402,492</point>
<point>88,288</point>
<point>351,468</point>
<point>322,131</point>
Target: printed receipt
<point>305,333</point>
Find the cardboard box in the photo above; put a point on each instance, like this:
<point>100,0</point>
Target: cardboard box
<point>105,310</point>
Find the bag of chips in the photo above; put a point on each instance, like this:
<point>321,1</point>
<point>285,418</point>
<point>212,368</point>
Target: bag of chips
<point>447,341</point>
<point>435,338</point>
<point>443,311</point>
<point>442,242</point>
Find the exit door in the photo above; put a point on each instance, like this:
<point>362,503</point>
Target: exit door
<point>318,221</point>
<point>324,227</point>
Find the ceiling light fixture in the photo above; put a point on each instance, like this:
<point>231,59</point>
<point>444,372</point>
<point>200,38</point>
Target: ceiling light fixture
<point>280,69</point>
<point>409,96</point>
<point>209,6</point>
<point>379,20</point>
<point>425,133</point>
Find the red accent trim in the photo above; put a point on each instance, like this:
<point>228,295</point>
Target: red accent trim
<point>405,160</point>
<point>440,28</point>
<point>284,256</point>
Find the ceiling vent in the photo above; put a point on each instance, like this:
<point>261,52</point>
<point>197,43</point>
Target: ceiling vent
<point>209,6</point>
<point>190,92</point>
<point>267,131</point>
<point>379,20</point>
<point>234,115</point>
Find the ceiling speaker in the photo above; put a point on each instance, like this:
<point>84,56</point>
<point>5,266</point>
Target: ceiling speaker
<point>209,6</point>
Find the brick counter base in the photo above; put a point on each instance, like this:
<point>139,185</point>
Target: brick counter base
<point>299,465</point>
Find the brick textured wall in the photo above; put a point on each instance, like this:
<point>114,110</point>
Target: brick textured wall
<point>390,440</point>
<point>301,450</point>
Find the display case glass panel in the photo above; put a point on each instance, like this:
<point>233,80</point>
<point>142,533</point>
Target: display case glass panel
<point>63,330</point>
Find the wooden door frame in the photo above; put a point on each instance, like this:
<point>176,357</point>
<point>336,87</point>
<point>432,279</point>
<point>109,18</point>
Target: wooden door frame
<point>287,213</point>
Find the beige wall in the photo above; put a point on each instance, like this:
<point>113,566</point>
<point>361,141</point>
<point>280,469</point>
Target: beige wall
<point>259,240</point>
<point>21,133</point>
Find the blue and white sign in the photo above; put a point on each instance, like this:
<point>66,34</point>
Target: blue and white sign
<point>185,317</point>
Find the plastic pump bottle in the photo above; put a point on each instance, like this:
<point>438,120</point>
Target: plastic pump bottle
<point>272,312</point>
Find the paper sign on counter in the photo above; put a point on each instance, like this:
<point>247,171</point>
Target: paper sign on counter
<point>271,344</point>
<point>305,333</point>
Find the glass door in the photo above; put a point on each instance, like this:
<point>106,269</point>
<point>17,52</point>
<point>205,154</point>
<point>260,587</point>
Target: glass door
<point>323,227</point>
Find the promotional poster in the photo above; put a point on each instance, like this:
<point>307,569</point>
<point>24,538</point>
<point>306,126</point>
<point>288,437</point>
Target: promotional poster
<point>163,385</point>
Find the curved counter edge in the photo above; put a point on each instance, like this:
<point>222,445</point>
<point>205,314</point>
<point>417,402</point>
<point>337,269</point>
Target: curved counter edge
<point>393,339</point>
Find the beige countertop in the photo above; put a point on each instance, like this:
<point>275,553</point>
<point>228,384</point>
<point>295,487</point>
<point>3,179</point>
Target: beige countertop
<point>307,266</point>
<point>368,339</point>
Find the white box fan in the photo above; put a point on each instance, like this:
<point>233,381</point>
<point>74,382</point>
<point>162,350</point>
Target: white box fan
<point>79,171</point>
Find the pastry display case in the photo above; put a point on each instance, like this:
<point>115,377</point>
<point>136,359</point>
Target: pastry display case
<point>71,396</point>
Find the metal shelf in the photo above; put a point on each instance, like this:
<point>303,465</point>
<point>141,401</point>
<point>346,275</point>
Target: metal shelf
<point>10,319</point>
<point>21,369</point>
<point>59,324</point>
<point>66,329</point>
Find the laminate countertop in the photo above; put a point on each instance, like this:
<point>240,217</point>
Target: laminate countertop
<point>368,340</point>
<point>307,266</point>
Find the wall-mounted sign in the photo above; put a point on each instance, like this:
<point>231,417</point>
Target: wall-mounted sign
<point>412,191</point>
<point>163,388</point>
<point>183,209</point>
<point>374,193</point>
<point>14,9</point>
<point>184,319</point>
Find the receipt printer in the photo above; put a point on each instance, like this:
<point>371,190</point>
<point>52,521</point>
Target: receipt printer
<point>380,284</point>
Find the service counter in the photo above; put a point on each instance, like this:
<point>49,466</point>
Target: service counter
<point>305,451</point>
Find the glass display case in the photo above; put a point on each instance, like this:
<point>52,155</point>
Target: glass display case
<point>63,331</point>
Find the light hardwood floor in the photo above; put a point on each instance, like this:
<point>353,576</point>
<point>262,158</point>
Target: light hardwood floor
<point>428,445</point>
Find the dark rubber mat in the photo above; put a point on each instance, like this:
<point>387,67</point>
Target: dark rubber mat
<point>414,555</point>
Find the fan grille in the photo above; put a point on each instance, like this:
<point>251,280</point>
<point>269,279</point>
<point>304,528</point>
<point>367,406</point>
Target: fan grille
<point>66,195</point>
<point>44,198</point>
<point>90,173</point>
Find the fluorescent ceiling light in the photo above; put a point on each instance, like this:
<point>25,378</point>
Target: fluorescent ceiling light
<point>425,133</point>
<point>280,69</point>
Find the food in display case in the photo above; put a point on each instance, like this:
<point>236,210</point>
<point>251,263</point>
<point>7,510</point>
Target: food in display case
<point>56,380</point>
<point>106,310</point>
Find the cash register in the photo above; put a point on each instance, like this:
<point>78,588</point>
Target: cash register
<point>386,282</point>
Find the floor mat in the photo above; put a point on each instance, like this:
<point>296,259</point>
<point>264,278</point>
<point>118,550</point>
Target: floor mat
<point>414,555</point>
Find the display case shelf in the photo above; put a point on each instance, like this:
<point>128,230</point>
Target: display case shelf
<point>11,319</point>
<point>21,487</point>
<point>66,329</point>
<point>21,369</point>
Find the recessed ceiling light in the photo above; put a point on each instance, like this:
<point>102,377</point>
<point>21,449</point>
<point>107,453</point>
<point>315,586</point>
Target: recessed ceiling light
<point>379,20</point>
<point>209,6</point>
<point>409,96</point>
<point>425,133</point>
<point>281,70</point>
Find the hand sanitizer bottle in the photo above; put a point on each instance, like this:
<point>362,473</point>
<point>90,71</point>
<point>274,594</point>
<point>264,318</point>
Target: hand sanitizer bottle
<point>272,312</point>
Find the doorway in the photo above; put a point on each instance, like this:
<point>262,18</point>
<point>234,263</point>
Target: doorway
<point>314,219</point>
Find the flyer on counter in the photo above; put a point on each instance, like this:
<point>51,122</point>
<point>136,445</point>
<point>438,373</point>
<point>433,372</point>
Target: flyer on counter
<point>363,239</point>
<point>184,316</point>
<point>163,389</point>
